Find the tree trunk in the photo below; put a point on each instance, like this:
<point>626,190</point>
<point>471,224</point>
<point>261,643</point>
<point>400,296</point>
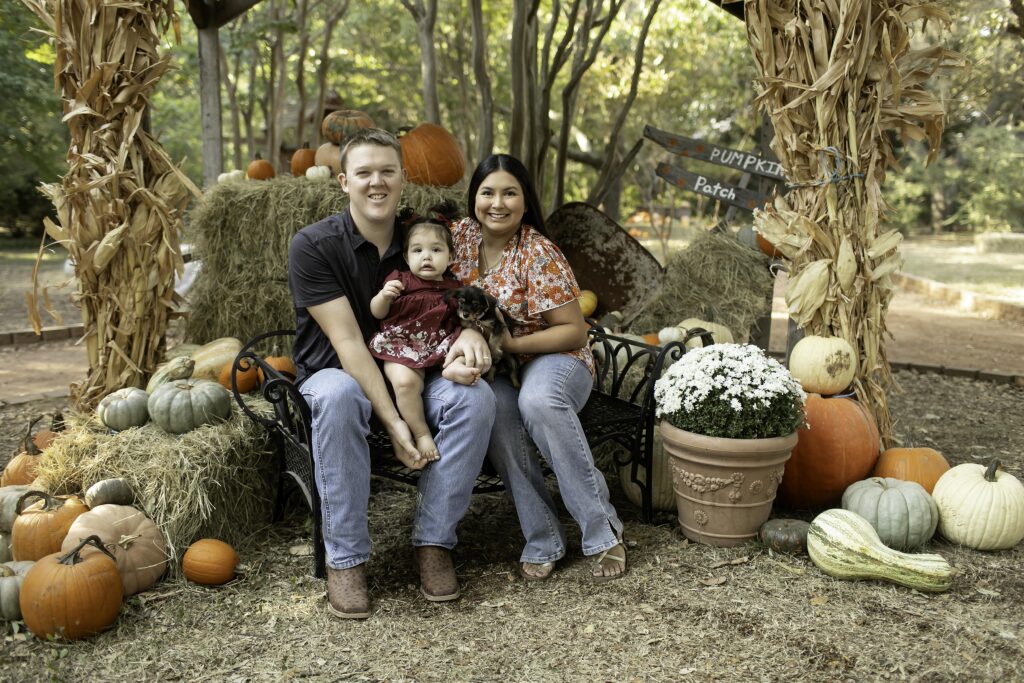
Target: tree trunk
<point>425,17</point>
<point>524,20</point>
<point>485,136</point>
<point>209,104</point>
<point>302,16</point>
<point>324,68</point>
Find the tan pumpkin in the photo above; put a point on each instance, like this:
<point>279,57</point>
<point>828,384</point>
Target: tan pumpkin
<point>923,465</point>
<point>980,507</point>
<point>720,333</point>
<point>12,575</point>
<point>136,542</point>
<point>302,159</point>
<point>823,365</point>
<point>209,359</point>
<point>663,497</point>
<point>40,527</point>
<point>210,562</point>
<point>260,169</point>
<point>9,496</point>
<point>329,155</point>
<point>839,447</point>
<point>71,595</point>
<point>338,125</point>
<point>432,156</point>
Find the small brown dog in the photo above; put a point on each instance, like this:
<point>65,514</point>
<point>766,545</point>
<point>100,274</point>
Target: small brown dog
<point>479,310</point>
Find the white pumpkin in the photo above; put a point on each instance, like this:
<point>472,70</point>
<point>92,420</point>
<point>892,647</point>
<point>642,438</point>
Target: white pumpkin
<point>318,172</point>
<point>902,512</point>
<point>5,547</point>
<point>720,333</point>
<point>671,334</point>
<point>823,365</point>
<point>231,176</point>
<point>980,507</point>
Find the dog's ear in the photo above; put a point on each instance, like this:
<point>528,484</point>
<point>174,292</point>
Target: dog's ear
<point>492,303</point>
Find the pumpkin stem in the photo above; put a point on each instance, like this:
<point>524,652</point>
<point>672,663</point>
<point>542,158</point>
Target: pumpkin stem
<point>36,494</point>
<point>990,471</point>
<point>27,443</point>
<point>73,556</point>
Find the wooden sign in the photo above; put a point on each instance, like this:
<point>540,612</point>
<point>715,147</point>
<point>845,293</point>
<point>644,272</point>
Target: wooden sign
<point>709,187</point>
<point>715,154</point>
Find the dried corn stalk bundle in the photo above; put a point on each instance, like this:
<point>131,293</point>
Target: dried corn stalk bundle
<point>838,79</point>
<point>120,204</point>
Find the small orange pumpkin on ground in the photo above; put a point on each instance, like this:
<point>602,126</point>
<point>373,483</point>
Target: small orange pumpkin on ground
<point>302,159</point>
<point>260,169</point>
<point>923,465</point>
<point>210,562</point>
<point>246,377</point>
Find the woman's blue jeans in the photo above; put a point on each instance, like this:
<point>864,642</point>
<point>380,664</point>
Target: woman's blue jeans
<point>460,417</point>
<point>543,411</point>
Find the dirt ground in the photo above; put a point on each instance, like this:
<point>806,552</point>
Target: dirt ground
<point>684,612</point>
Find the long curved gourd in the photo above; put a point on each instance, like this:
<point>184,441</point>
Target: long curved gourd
<point>845,545</point>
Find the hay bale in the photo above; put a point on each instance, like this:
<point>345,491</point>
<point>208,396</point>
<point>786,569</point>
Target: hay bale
<point>241,230</point>
<point>214,481</point>
<point>718,279</point>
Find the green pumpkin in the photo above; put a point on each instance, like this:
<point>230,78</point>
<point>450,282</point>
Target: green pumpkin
<point>785,535</point>
<point>12,574</point>
<point>109,492</point>
<point>902,512</point>
<point>124,409</point>
<point>182,405</point>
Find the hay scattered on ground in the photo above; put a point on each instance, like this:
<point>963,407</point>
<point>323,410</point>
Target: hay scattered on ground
<point>214,481</point>
<point>241,231</point>
<point>717,279</point>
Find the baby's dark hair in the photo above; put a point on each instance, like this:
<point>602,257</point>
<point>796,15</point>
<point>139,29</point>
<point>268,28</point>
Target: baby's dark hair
<point>439,227</point>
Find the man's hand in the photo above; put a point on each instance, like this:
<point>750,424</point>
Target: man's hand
<point>472,347</point>
<point>404,446</point>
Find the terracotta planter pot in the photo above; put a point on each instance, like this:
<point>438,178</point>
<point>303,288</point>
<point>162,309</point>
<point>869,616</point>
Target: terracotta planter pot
<point>724,487</point>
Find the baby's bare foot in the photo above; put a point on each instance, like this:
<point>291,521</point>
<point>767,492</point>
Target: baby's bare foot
<point>413,461</point>
<point>427,448</point>
<point>461,374</point>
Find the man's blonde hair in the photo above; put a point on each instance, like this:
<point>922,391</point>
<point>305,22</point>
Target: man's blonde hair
<point>370,136</point>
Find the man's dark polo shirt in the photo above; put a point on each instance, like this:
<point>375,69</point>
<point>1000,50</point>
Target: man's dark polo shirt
<point>327,260</point>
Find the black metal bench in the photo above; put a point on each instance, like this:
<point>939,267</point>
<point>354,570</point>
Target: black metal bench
<point>620,409</point>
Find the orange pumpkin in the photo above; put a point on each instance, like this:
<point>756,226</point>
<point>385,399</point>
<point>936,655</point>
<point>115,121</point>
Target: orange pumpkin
<point>767,248</point>
<point>260,169</point>
<point>40,528</point>
<point>923,465</point>
<point>652,339</point>
<point>338,125</point>
<point>209,562</point>
<point>282,364</point>
<point>72,595</point>
<point>302,159</point>
<point>840,448</point>
<point>432,156</point>
<point>246,377</point>
<point>21,470</point>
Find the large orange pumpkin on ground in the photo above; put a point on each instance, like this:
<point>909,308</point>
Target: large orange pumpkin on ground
<point>923,465</point>
<point>840,447</point>
<point>432,156</point>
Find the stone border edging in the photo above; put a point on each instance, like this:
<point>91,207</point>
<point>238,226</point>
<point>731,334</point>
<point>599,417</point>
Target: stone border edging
<point>966,300</point>
<point>48,334</point>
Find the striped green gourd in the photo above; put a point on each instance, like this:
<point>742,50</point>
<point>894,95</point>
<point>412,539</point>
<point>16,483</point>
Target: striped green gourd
<point>845,545</point>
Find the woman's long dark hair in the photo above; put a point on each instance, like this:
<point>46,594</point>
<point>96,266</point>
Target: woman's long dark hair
<point>505,162</point>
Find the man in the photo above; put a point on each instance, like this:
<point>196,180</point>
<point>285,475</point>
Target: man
<point>335,267</point>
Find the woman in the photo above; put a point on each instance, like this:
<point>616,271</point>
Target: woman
<point>501,247</point>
